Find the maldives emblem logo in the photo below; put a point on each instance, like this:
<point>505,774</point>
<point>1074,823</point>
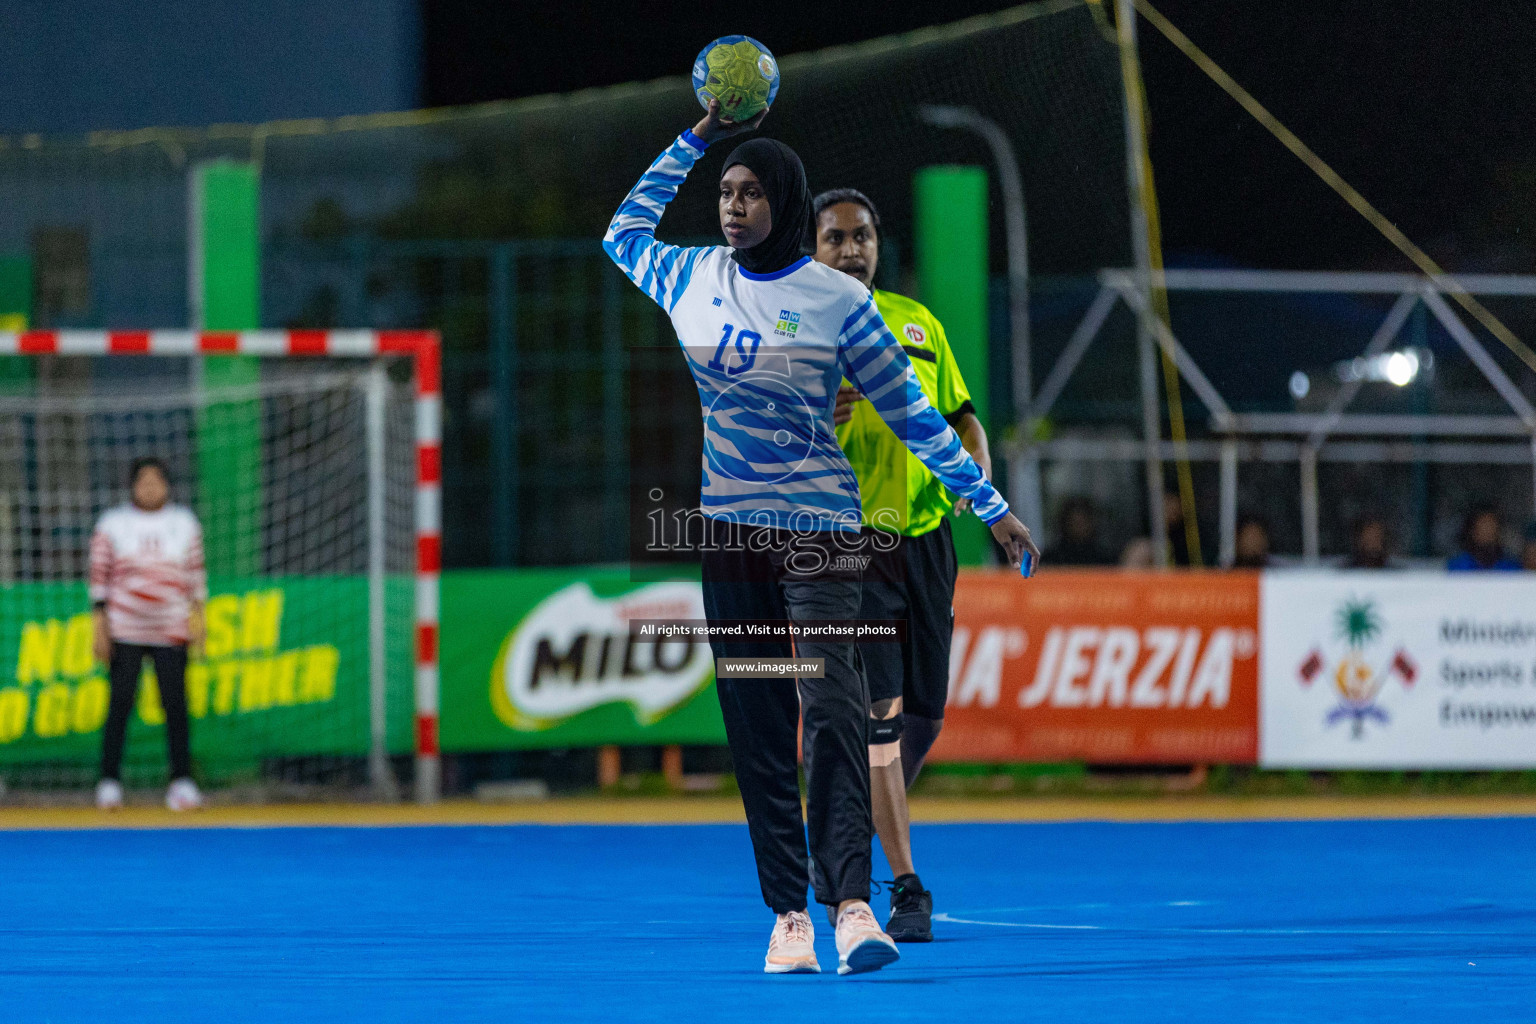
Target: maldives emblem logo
<point>1357,678</point>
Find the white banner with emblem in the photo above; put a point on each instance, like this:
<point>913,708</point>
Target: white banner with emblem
<point>1397,670</point>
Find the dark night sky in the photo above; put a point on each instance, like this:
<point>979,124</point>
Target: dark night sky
<point>1426,106</point>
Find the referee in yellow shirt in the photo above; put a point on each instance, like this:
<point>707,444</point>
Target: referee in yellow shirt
<point>912,575</point>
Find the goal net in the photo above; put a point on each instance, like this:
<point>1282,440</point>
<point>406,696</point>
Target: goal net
<point>316,490</point>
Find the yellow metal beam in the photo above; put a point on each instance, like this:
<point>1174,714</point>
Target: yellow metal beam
<point>1334,181</point>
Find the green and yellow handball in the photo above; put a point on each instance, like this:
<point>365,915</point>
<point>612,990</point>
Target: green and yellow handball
<point>740,73</point>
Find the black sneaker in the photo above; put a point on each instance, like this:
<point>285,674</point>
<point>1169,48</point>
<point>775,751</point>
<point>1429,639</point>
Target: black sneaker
<point>911,911</point>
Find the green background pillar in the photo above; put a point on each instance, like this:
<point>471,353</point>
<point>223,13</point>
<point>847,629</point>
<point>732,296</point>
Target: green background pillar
<point>15,315</point>
<point>953,278</point>
<point>225,251</point>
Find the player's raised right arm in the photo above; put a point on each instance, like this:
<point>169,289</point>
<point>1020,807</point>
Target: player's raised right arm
<point>662,271</point>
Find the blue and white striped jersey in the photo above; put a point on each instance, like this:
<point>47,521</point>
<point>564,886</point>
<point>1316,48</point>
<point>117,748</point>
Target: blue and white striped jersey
<point>768,352</point>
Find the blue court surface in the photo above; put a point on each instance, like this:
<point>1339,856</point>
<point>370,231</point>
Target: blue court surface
<point>1333,922</point>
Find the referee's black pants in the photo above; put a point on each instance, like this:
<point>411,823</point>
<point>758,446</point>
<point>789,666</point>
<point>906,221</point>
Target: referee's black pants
<point>171,677</point>
<point>764,573</point>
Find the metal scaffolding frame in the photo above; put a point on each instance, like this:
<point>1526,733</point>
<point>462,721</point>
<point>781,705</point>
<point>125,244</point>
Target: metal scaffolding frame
<point>1463,439</point>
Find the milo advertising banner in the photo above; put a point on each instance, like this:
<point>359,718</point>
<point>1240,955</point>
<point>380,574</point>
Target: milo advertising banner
<point>284,673</point>
<point>545,659</point>
<point>1399,670</point>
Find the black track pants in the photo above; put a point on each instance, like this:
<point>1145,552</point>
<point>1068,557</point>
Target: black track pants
<point>755,573</point>
<point>171,675</point>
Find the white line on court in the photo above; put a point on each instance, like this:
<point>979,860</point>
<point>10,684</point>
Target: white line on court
<point>1016,924</point>
<point>1211,931</point>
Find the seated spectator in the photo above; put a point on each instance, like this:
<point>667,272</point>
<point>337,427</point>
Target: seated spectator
<point>1482,542</point>
<point>1252,548</point>
<point>1368,543</point>
<point>1077,536</point>
<point>1138,554</point>
<point>1528,549</point>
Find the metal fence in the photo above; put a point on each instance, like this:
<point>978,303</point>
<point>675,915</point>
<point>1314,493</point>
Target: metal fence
<point>539,342</point>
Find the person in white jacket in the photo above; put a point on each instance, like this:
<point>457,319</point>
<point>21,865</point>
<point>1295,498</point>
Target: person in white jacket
<point>148,587</point>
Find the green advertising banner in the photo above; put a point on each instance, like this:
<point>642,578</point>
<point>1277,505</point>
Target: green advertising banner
<point>284,673</point>
<point>544,659</point>
<point>528,659</point>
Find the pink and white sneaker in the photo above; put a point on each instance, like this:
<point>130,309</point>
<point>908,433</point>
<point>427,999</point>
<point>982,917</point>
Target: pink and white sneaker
<point>861,944</point>
<point>183,795</point>
<point>791,947</point>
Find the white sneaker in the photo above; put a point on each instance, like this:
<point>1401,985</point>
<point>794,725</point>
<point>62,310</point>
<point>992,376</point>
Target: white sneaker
<point>791,947</point>
<point>109,795</point>
<point>183,795</point>
<point>861,945</point>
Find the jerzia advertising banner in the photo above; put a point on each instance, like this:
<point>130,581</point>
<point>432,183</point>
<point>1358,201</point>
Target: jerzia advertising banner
<point>1398,670</point>
<point>1105,667</point>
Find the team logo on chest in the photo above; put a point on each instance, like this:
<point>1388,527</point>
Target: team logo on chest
<point>915,334</point>
<point>788,325</point>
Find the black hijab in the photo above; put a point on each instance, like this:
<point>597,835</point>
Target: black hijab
<point>789,202</point>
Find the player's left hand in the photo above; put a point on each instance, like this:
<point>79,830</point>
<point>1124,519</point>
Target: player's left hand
<point>1015,540</point>
<point>714,125</point>
<point>101,639</point>
<point>842,408</point>
<point>195,635</point>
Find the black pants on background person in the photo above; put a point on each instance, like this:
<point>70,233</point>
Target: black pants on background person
<point>913,579</point>
<point>171,676</point>
<point>764,573</point>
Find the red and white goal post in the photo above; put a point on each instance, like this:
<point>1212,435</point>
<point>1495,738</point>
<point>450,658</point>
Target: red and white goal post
<point>423,352</point>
